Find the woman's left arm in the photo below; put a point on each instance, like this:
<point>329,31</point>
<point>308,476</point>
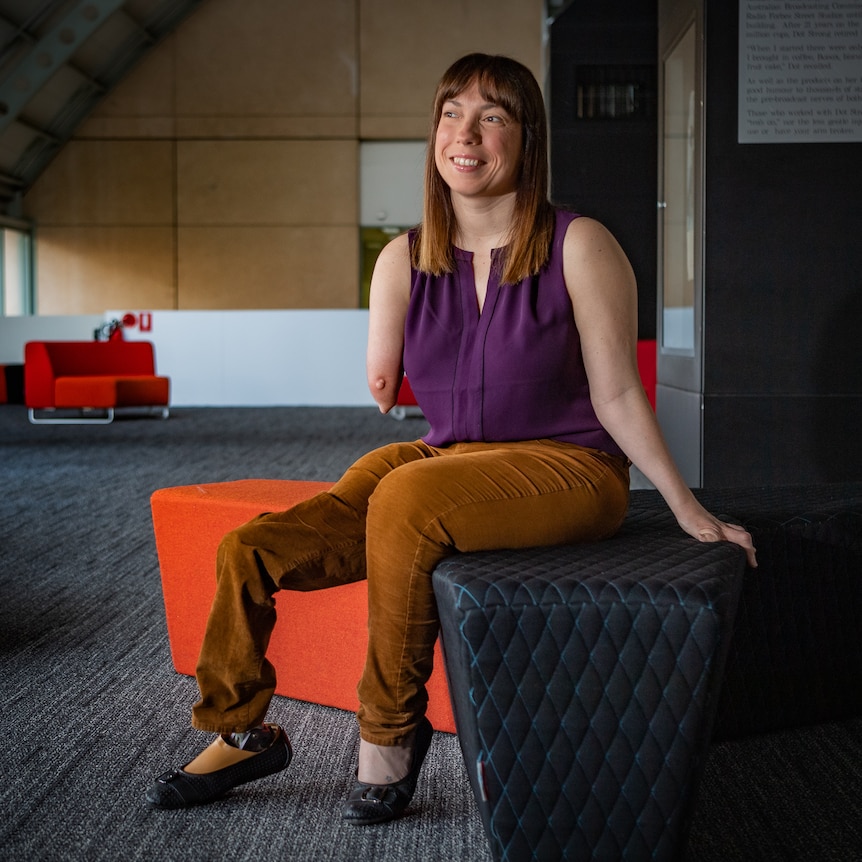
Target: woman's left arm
<point>602,288</point>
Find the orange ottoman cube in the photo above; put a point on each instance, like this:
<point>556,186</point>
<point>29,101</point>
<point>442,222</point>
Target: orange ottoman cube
<point>319,643</point>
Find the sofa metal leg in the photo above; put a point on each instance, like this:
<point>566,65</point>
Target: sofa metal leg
<point>81,419</point>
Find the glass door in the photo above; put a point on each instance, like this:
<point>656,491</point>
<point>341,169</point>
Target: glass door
<point>679,390</point>
<point>679,199</point>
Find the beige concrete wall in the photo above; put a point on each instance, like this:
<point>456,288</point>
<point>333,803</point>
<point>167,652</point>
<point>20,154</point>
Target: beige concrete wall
<point>222,172</point>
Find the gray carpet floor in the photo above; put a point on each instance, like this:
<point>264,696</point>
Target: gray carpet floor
<point>91,709</point>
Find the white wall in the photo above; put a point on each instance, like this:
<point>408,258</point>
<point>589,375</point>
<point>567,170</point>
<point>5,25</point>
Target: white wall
<point>15,332</point>
<point>258,358</point>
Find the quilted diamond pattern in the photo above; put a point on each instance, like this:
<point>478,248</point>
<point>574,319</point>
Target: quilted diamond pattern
<point>796,655</point>
<point>583,682</point>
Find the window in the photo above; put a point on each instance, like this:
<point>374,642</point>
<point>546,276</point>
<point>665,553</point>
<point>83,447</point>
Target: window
<point>16,272</point>
<point>390,198</point>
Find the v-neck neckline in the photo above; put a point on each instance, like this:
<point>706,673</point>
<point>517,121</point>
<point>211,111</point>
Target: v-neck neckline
<point>492,288</point>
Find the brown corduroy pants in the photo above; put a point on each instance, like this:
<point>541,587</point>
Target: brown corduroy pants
<point>391,518</point>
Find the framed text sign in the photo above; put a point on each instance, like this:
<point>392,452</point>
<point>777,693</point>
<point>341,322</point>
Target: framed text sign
<point>800,71</point>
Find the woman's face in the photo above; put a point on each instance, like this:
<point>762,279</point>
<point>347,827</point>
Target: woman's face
<point>478,147</point>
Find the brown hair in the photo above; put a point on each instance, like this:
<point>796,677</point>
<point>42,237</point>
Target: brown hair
<point>512,86</point>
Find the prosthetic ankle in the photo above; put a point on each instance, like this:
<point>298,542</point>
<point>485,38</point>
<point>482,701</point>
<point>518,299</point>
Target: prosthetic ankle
<point>257,739</point>
<point>230,748</point>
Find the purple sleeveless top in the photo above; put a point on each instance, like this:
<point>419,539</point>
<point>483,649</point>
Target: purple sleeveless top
<point>513,372</point>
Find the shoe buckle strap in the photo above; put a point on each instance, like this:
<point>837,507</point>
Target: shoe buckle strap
<point>167,777</point>
<point>377,793</point>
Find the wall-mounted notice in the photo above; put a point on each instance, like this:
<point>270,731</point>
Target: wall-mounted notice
<point>800,71</point>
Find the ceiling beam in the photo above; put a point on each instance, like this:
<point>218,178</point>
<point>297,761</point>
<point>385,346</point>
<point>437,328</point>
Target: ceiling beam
<point>49,53</point>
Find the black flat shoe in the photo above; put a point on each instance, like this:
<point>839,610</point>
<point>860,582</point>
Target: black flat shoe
<point>180,789</point>
<point>376,803</point>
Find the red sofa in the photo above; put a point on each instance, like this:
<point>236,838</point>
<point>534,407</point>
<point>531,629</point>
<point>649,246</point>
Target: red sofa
<point>88,376</point>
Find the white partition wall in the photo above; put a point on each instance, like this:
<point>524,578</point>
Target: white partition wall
<point>257,358</point>
<point>16,331</point>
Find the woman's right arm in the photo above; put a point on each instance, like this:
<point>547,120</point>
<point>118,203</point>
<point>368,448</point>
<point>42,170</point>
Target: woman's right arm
<point>390,294</point>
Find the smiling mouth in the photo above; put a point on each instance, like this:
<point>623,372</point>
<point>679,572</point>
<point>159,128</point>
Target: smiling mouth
<point>465,163</point>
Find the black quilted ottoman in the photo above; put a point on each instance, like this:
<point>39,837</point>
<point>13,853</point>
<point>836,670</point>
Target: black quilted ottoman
<point>796,654</point>
<point>584,682</point>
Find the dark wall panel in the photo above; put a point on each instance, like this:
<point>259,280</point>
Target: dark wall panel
<point>784,248</point>
<point>780,440</point>
<point>783,293</point>
<point>607,167</point>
